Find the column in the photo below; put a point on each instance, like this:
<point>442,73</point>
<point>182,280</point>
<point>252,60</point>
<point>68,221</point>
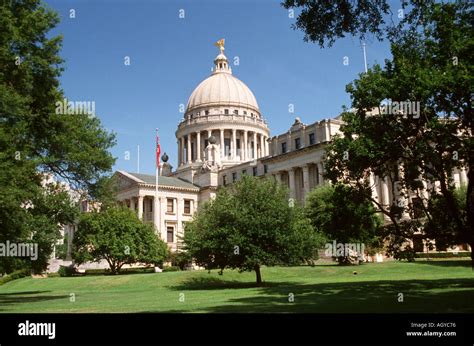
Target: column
<point>462,176</point>
<point>234,144</point>
<point>222,145</point>
<point>181,153</point>
<point>306,180</point>
<point>178,145</point>
<point>320,173</point>
<point>262,153</point>
<point>373,186</point>
<point>245,145</point>
<point>140,207</point>
<point>291,177</point>
<point>278,177</point>
<point>255,145</point>
<point>327,132</point>
<point>267,152</point>
<point>198,145</point>
<point>188,149</point>
<point>156,208</point>
<point>385,196</point>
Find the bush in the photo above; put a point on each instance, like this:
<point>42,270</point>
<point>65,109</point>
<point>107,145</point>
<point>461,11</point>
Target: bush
<point>53,275</point>
<point>18,274</point>
<point>66,271</point>
<point>443,254</point>
<point>180,259</point>
<point>140,270</point>
<point>407,254</point>
<point>171,269</point>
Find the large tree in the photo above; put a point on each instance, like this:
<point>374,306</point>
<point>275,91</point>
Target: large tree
<point>35,138</point>
<point>119,237</point>
<point>432,47</point>
<point>248,225</point>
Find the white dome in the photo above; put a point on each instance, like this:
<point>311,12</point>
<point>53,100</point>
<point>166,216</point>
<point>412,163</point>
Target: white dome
<point>222,89</point>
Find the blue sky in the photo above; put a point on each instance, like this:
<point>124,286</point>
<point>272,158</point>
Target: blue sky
<point>170,56</point>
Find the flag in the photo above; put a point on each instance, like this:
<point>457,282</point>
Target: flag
<point>158,150</point>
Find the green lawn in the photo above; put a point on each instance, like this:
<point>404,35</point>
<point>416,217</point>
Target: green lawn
<point>427,286</point>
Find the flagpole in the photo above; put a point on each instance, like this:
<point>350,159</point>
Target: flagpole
<point>156,180</point>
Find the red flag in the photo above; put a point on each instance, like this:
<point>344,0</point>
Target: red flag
<point>158,150</point>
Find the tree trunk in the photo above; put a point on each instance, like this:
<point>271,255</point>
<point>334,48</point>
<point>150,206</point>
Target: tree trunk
<point>470,211</point>
<point>258,274</point>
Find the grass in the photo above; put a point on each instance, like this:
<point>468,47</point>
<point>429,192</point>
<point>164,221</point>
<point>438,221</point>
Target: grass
<point>427,286</point>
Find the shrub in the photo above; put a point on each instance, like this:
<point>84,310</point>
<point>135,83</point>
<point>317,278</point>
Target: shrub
<point>443,254</point>
<point>66,271</point>
<point>180,259</point>
<point>171,269</point>
<point>18,274</point>
<point>407,254</point>
<point>53,275</point>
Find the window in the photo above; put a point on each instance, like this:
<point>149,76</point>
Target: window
<point>254,171</point>
<point>251,114</point>
<point>311,139</point>
<point>226,111</point>
<point>206,143</point>
<point>169,205</point>
<point>244,171</point>
<point>297,143</point>
<point>245,112</point>
<point>170,234</point>
<point>206,112</point>
<point>198,114</point>
<point>234,176</point>
<point>237,142</point>
<point>224,180</point>
<point>283,147</point>
<point>227,146</point>
<point>236,112</point>
<point>187,206</point>
<point>265,169</point>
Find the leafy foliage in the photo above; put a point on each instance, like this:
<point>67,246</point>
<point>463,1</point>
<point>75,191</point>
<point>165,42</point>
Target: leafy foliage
<point>118,236</point>
<point>343,215</point>
<point>430,65</point>
<point>251,224</point>
<point>34,138</point>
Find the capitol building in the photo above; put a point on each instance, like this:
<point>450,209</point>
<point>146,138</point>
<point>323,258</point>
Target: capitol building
<point>222,136</point>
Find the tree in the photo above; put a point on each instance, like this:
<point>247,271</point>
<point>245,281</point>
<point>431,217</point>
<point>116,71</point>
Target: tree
<point>344,216</point>
<point>440,226</point>
<point>325,21</point>
<point>432,48</point>
<point>36,138</point>
<point>119,237</point>
<point>431,67</point>
<point>251,224</point>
